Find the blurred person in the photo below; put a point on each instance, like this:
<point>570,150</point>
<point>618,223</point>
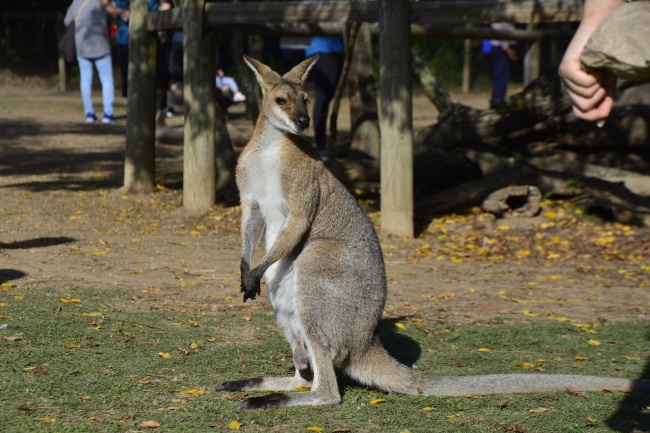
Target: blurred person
<point>93,48</point>
<point>503,54</point>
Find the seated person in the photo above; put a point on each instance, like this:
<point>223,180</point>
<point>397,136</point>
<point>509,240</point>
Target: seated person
<point>229,87</point>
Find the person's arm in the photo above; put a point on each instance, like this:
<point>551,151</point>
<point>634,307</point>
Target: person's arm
<point>111,9</point>
<point>592,92</point>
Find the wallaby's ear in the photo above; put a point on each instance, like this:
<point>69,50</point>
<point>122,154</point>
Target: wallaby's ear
<point>265,75</point>
<point>298,74</point>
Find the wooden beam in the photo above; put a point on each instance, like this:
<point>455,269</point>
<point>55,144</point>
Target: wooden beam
<point>199,64</point>
<point>396,120</point>
<point>314,14</point>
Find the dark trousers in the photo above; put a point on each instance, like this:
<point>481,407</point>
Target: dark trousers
<point>325,74</point>
<point>123,60</point>
<point>501,73</point>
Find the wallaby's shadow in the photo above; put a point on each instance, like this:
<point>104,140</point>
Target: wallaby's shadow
<point>632,414</point>
<point>401,347</point>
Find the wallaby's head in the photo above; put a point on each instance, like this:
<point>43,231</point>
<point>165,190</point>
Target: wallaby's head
<point>285,102</point>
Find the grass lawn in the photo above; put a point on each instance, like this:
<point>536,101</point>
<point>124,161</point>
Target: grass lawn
<point>90,360</point>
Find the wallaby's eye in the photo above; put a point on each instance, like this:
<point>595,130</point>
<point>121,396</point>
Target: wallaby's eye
<point>280,101</point>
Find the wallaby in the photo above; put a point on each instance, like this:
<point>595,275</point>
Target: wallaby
<point>324,269</point>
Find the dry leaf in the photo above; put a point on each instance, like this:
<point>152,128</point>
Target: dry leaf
<point>70,345</point>
<point>149,424</point>
<point>377,401</point>
<point>240,396</point>
<point>194,346</point>
<point>538,410</point>
<point>303,388</point>
<point>631,358</point>
<point>593,342</point>
<point>48,419</point>
<point>576,393</point>
<point>428,409</point>
<point>164,355</point>
<point>525,365</point>
<point>13,338</point>
<point>456,415</point>
<point>400,325</point>
<point>194,392</point>
<point>314,428</point>
<point>592,420</point>
<point>502,403</point>
<point>70,300</point>
<point>484,349</point>
<point>234,425</point>
<point>211,340</point>
<point>39,372</point>
<point>515,428</point>
<point>581,358</point>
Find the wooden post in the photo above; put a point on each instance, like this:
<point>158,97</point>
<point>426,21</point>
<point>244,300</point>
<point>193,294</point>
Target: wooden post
<point>139,166</point>
<point>467,66</point>
<point>63,74</point>
<point>199,63</point>
<point>532,59</point>
<point>396,123</point>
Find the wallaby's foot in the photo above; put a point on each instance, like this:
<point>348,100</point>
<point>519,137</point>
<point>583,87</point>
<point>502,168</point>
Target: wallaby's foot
<point>240,385</point>
<point>277,399</point>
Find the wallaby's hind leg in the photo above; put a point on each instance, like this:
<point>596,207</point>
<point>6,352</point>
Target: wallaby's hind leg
<point>324,388</point>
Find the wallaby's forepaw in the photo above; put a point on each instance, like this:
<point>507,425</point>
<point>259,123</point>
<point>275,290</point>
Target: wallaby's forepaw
<point>250,282</point>
<point>276,399</point>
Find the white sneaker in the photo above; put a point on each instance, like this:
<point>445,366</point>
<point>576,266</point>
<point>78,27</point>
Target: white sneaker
<point>239,97</point>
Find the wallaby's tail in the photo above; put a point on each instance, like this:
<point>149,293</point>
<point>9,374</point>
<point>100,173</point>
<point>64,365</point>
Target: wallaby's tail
<point>378,369</point>
<point>525,383</point>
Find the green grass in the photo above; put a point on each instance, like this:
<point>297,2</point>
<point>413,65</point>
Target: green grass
<point>116,379</point>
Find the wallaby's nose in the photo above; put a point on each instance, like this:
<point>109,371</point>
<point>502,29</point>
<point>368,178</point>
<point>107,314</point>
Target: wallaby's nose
<point>302,121</point>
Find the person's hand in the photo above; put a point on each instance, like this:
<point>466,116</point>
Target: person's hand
<point>511,52</point>
<point>592,92</point>
<point>124,15</point>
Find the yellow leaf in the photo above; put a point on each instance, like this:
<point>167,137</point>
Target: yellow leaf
<point>70,300</point>
<point>71,345</point>
<point>303,388</point>
<point>456,415</point>
<point>429,409</point>
<point>194,392</point>
<point>211,340</point>
<point>144,382</point>
<point>234,425</point>
<point>149,424</point>
<point>538,410</point>
<point>593,342</point>
<point>48,419</point>
<point>400,325</point>
<point>581,358</point>
<point>555,240</point>
<point>164,355</point>
<point>195,232</point>
<point>530,313</point>
<point>13,338</point>
<point>314,428</point>
<point>8,284</point>
<point>194,346</point>
<point>543,361</point>
<point>524,365</point>
<point>592,419</point>
<point>484,349</point>
<point>447,295</point>
<point>631,358</point>
<point>503,228</point>
<point>2,304</point>
<point>377,401</point>
<point>18,298</point>
<point>550,215</point>
<point>405,431</point>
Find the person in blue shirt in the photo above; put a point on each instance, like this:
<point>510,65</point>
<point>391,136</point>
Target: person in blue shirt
<point>325,74</point>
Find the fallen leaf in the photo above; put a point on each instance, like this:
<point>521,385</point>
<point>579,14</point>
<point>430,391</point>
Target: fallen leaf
<point>631,358</point>
<point>428,409</point>
<point>592,420</point>
<point>341,430</point>
<point>18,297</point>
<point>593,342</point>
<point>194,392</point>
<point>400,325</point>
<point>39,372</point>
<point>456,415</point>
<point>164,355</point>
<point>581,358</point>
<point>70,300</point>
<point>576,393</point>
<point>462,364</point>
<point>538,410</point>
<point>377,401</point>
<point>149,424</point>
<point>515,428</point>
<point>13,338</point>
<point>48,419</point>
<point>70,345</point>
<point>211,340</point>
<point>240,396</point>
<point>484,349</point>
<point>530,313</point>
<point>234,425</point>
<point>314,428</point>
<point>194,346</point>
<point>525,365</point>
<point>502,403</point>
<point>303,388</point>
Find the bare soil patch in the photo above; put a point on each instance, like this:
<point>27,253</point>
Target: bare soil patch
<point>65,225</point>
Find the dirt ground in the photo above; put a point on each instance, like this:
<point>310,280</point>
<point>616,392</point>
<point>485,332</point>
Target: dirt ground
<point>64,224</point>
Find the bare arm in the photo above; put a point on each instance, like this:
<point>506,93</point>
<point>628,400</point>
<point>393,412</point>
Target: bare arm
<point>592,92</point>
